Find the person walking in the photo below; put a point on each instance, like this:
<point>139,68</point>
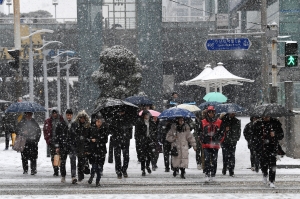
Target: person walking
<point>232,135</point>
<point>267,133</point>
<point>7,125</point>
<point>118,127</point>
<point>158,146</point>
<point>180,136</point>
<point>211,134</point>
<point>29,129</point>
<point>97,140</point>
<point>49,133</point>
<point>163,129</point>
<point>65,144</point>
<point>173,101</point>
<point>146,135</point>
<point>248,134</point>
<point>82,131</point>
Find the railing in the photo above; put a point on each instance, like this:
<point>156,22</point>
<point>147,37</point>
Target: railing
<point>38,20</point>
<point>185,18</point>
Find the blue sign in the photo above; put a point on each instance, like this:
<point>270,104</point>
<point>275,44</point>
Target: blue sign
<point>1,1</point>
<point>228,44</point>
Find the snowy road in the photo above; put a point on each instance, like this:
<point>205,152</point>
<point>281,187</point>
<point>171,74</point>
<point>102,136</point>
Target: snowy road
<point>246,184</point>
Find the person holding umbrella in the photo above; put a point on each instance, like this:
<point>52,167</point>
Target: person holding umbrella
<point>29,129</point>
<point>211,134</point>
<point>267,133</point>
<point>180,136</point>
<point>146,136</point>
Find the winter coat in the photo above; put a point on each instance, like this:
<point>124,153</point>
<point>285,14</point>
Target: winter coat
<point>47,129</point>
<point>163,128</point>
<point>233,135</point>
<point>97,150</point>
<point>120,129</point>
<point>262,140</point>
<point>184,138</point>
<point>82,132</point>
<point>8,122</point>
<point>248,134</point>
<point>65,137</point>
<point>32,133</point>
<point>211,133</point>
<point>141,131</point>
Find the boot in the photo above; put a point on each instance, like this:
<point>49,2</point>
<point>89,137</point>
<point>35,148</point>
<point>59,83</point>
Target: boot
<point>74,180</point>
<point>182,173</point>
<point>91,179</point>
<point>149,170</point>
<point>174,173</point>
<point>63,179</point>
<point>144,173</point>
<point>97,183</point>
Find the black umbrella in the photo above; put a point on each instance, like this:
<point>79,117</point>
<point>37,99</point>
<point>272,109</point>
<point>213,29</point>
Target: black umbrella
<point>270,110</point>
<point>109,107</point>
<point>139,100</point>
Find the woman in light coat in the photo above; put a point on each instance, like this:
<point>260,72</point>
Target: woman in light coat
<point>180,136</point>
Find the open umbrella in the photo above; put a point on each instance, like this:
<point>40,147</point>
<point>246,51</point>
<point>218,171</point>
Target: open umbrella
<point>152,112</point>
<point>108,107</point>
<point>215,97</point>
<point>271,110</point>
<point>25,106</point>
<point>229,108</point>
<point>139,100</point>
<point>173,113</point>
<point>4,101</point>
<point>189,107</point>
<point>204,105</point>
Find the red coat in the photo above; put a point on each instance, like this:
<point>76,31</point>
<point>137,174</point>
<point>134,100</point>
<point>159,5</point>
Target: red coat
<point>48,128</point>
<point>211,133</point>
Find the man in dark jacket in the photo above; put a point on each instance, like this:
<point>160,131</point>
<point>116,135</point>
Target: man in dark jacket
<point>232,134</point>
<point>65,144</point>
<point>248,134</point>
<point>49,133</point>
<point>7,125</point>
<point>174,101</point>
<point>211,134</point>
<point>29,129</point>
<point>121,141</point>
<point>82,131</point>
<point>267,133</point>
<point>97,148</point>
<point>146,135</point>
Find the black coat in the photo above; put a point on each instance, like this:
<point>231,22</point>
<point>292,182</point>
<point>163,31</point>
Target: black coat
<point>234,133</point>
<point>248,134</point>
<point>97,150</point>
<point>121,131</point>
<point>262,140</point>
<point>65,138</point>
<point>141,132</point>
<point>82,133</point>
<point>32,132</point>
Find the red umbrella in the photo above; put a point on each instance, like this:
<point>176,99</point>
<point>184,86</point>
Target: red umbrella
<point>152,112</point>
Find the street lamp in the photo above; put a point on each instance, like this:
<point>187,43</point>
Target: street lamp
<point>67,67</point>
<point>31,58</point>
<point>45,53</point>
<point>55,3</point>
<point>8,2</point>
<point>56,59</point>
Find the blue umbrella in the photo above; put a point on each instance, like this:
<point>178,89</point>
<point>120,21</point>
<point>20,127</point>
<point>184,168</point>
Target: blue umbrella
<point>229,108</point>
<point>139,100</point>
<point>206,104</point>
<point>25,106</point>
<point>173,113</point>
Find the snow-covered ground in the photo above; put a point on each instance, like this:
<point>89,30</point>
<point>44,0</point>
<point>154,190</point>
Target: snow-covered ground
<point>11,168</point>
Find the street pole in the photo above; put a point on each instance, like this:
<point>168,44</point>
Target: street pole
<point>31,97</point>
<point>68,88</point>
<point>45,52</point>
<point>273,96</point>
<point>58,84</point>
<point>264,51</point>
<point>17,41</point>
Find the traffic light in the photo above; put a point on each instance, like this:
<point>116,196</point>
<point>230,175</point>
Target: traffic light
<point>16,55</point>
<point>291,54</point>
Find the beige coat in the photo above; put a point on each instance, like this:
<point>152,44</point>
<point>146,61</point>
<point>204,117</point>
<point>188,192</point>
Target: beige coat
<point>182,145</point>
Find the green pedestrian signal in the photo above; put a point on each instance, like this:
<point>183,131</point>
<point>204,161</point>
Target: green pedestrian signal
<point>291,60</point>
<point>291,54</point>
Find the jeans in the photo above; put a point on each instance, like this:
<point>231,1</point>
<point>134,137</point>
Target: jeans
<point>63,157</point>
<point>97,168</point>
<point>211,160</point>
<point>228,152</point>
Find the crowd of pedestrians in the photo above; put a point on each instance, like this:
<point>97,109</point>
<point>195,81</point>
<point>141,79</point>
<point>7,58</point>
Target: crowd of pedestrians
<point>84,141</point>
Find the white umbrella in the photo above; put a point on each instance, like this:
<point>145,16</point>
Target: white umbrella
<point>189,107</point>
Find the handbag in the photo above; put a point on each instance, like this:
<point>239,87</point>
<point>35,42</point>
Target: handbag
<point>174,151</point>
<point>56,160</point>
<point>19,144</point>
